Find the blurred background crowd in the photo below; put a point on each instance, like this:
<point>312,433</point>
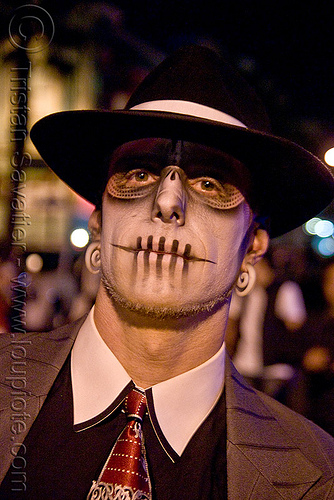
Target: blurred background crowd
<point>91,55</point>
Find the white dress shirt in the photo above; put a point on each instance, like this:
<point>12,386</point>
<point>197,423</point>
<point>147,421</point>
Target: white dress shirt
<point>181,403</point>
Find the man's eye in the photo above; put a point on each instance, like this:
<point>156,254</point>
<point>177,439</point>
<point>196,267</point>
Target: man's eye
<point>206,186</point>
<point>217,195</point>
<point>137,177</point>
<point>141,176</point>
<point>133,184</point>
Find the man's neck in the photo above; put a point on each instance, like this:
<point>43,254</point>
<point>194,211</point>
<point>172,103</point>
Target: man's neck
<point>152,350</point>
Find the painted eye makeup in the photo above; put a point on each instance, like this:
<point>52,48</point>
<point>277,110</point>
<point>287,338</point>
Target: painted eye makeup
<point>213,193</point>
<point>211,176</point>
<point>138,178</point>
<point>206,186</point>
<point>139,183</point>
<point>136,183</point>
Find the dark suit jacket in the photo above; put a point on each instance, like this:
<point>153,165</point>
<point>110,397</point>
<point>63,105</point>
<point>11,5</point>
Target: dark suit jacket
<point>272,453</point>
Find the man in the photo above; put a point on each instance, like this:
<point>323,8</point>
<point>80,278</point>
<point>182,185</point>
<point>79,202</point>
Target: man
<point>191,181</point>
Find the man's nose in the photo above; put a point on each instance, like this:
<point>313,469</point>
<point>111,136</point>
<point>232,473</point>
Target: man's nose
<point>170,202</point>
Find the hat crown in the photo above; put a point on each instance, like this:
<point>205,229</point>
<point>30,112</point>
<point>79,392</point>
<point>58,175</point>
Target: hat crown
<point>290,184</point>
<point>199,75</point>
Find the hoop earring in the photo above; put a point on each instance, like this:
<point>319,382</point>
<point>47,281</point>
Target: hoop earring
<point>246,281</point>
<point>93,257</point>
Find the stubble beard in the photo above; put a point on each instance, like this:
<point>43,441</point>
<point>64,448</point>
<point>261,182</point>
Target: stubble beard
<point>164,312</point>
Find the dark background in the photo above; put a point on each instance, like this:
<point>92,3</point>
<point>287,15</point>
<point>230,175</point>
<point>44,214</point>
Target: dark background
<point>285,49</point>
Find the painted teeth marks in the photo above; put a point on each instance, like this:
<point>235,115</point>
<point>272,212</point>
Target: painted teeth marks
<point>139,242</point>
<point>150,243</point>
<point>159,265</point>
<point>187,250</point>
<point>152,255</point>
<point>162,241</point>
<point>186,255</point>
<point>161,248</point>
<point>147,253</point>
<point>173,260</point>
<point>175,246</point>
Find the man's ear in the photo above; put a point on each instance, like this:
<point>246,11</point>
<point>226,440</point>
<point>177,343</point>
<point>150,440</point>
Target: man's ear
<point>257,248</point>
<point>94,225</point>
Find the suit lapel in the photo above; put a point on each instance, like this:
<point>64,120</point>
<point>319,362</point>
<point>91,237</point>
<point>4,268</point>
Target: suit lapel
<point>262,461</point>
<point>30,364</point>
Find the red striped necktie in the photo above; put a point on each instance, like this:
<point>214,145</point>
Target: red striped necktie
<point>125,473</point>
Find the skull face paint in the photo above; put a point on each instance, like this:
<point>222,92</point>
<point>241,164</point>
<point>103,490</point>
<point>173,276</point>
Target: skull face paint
<point>173,234</point>
<point>161,252</point>
<point>138,183</point>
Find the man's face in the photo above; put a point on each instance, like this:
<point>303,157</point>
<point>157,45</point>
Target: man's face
<point>174,227</point>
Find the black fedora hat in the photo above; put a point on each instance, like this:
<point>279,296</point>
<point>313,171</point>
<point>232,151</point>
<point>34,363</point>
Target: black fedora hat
<point>196,96</point>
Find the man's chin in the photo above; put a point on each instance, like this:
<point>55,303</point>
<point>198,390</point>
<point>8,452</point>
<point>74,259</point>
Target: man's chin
<point>160,311</point>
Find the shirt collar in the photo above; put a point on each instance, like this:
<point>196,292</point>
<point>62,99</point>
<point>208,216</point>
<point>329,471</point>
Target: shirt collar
<point>178,405</point>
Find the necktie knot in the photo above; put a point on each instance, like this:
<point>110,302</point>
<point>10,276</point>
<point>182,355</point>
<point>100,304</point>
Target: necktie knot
<point>135,405</point>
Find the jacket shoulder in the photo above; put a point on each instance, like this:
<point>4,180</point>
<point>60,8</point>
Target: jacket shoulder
<point>68,331</point>
<point>36,356</point>
<point>305,433</point>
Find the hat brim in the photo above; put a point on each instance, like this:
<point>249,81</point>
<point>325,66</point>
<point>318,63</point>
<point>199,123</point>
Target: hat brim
<point>289,184</point>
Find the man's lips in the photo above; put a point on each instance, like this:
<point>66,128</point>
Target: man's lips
<point>174,251</point>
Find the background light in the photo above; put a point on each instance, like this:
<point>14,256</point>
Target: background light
<point>34,263</point>
<point>79,237</point>
<point>326,247</point>
<point>310,225</point>
<point>324,228</point>
<point>329,157</point>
